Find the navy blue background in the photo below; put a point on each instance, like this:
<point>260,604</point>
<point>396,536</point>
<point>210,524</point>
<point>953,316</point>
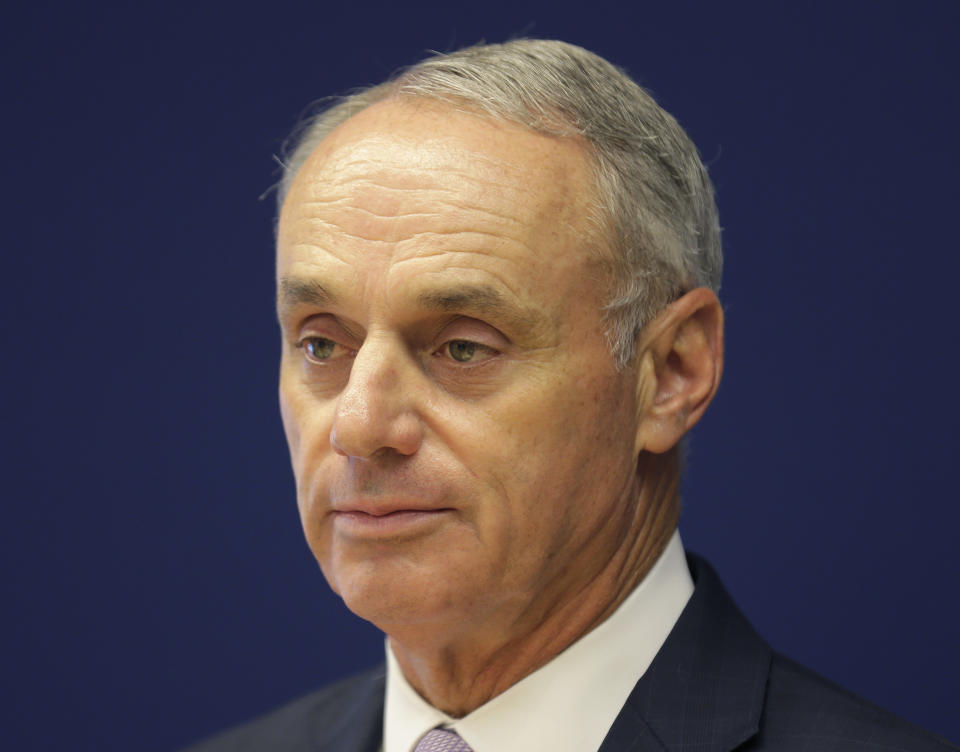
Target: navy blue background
<point>157,586</point>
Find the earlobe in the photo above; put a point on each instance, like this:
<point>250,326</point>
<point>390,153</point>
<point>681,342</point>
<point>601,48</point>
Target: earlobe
<point>680,360</point>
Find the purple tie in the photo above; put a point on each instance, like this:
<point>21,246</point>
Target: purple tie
<point>441,740</point>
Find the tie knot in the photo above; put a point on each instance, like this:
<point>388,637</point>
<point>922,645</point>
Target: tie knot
<point>442,740</point>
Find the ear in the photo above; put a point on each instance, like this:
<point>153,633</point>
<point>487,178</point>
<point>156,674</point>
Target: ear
<point>680,359</point>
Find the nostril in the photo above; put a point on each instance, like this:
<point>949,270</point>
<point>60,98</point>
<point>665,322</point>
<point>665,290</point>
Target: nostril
<point>365,434</point>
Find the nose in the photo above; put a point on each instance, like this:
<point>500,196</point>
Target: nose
<point>376,411</point>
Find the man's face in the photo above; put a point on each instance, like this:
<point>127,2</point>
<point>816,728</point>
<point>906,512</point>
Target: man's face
<point>462,442</point>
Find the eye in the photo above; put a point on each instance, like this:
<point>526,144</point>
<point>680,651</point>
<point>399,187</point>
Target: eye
<point>318,349</point>
<point>465,351</point>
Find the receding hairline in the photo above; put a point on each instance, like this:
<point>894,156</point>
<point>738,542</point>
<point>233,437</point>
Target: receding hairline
<point>597,239</point>
<point>415,104</point>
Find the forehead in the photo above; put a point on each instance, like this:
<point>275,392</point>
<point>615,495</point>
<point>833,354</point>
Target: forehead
<point>431,135</point>
<point>421,182</point>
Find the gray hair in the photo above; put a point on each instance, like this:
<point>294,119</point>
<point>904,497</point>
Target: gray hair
<point>655,199</point>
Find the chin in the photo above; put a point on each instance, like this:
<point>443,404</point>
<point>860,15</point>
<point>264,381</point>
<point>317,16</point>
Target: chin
<point>396,593</point>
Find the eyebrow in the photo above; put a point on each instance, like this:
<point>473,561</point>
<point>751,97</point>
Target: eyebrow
<point>479,298</point>
<point>482,300</point>
<point>293,292</point>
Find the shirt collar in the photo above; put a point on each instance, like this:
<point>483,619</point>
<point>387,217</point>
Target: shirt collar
<point>569,704</point>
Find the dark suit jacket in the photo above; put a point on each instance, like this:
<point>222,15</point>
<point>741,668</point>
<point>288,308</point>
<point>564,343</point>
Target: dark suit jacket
<point>714,686</point>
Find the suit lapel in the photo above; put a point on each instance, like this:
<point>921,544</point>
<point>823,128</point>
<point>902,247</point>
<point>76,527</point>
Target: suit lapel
<point>631,733</point>
<point>705,688</point>
<point>354,723</point>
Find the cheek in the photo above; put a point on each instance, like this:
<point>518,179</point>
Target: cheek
<point>306,424</point>
<point>534,453</point>
<point>307,434</point>
<point>291,426</point>
<point>562,447</point>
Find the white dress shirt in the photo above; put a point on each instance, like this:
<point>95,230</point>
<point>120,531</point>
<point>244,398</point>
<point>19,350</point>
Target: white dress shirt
<point>569,704</point>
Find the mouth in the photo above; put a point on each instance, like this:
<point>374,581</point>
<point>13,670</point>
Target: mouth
<point>388,522</point>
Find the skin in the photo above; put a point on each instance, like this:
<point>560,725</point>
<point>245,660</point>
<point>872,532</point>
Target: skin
<point>474,474</point>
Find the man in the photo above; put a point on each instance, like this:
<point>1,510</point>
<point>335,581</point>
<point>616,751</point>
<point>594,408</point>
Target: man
<point>497,280</point>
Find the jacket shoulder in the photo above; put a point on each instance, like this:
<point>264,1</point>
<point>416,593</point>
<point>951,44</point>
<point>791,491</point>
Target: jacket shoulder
<point>347,715</point>
<point>803,710</point>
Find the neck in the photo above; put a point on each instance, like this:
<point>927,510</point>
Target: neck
<point>459,674</point>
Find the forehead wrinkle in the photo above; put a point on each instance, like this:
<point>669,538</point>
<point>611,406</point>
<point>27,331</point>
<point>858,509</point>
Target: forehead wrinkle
<point>422,165</point>
<point>456,262</point>
<point>330,185</point>
<point>331,221</point>
<point>377,199</point>
<point>398,238</point>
